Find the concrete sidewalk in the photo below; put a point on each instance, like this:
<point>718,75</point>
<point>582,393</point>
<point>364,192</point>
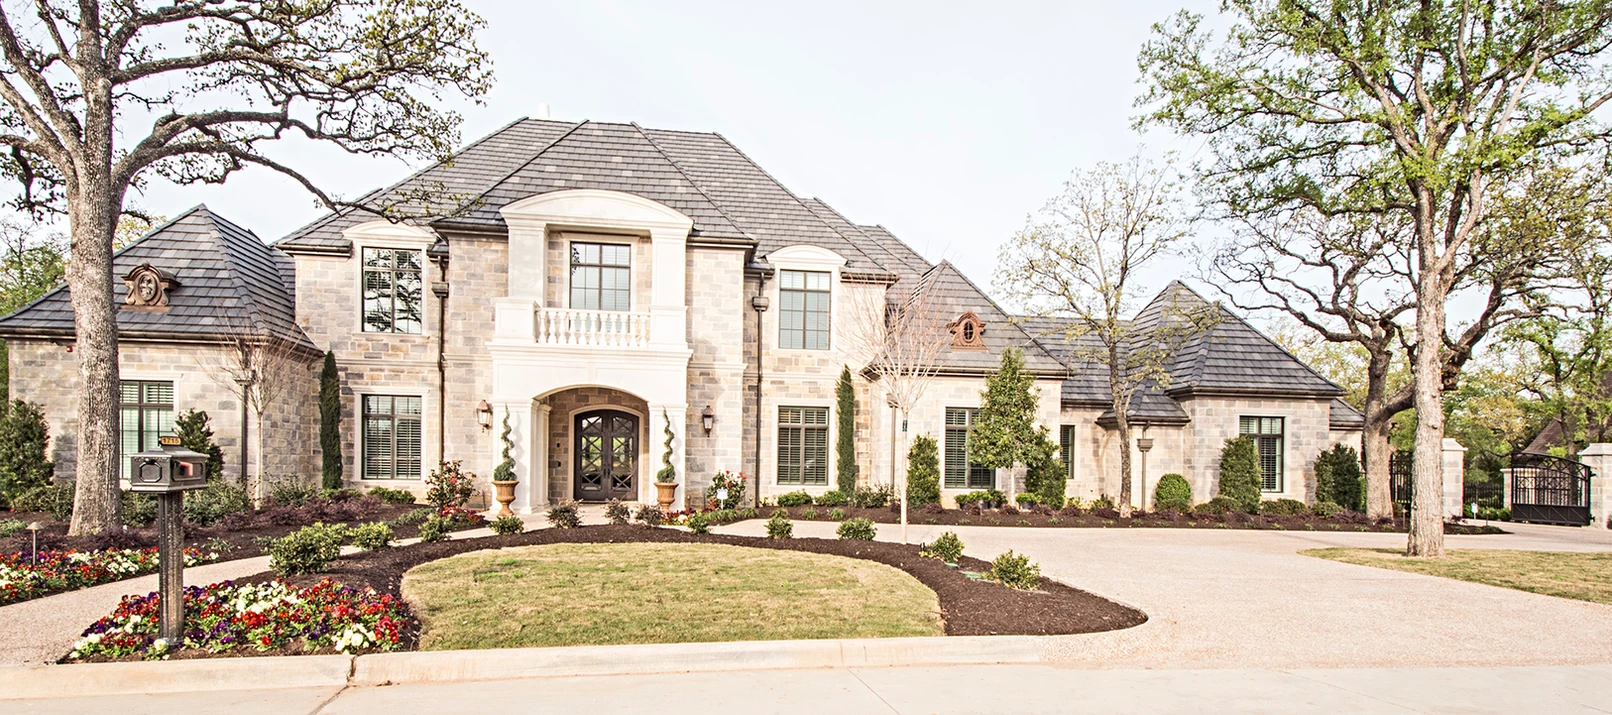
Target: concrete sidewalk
<point>953,689</point>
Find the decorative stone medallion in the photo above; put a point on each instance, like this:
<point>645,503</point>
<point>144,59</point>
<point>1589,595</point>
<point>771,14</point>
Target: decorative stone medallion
<point>148,287</point>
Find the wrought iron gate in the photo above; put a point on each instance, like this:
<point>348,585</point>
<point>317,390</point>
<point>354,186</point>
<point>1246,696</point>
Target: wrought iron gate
<point>1549,490</point>
<point>1402,481</point>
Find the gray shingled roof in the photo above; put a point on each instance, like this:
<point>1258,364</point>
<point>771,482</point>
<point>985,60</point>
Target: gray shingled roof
<point>1230,358</point>
<point>1344,416</point>
<point>229,281</point>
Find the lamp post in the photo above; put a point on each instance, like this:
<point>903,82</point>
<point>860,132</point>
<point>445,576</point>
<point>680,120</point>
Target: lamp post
<point>33,528</point>
<point>246,395</point>
<point>1144,445</point>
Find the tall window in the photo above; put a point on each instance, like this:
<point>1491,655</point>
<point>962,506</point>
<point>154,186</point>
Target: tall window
<point>391,437</point>
<point>961,471</point>
<point>1267,435</point>
<point>392,291</point>
<point>1066,449</point>
<point>803,315</point>
<point>803,445</point>
<point>601,276</point>
<point>146,408</point>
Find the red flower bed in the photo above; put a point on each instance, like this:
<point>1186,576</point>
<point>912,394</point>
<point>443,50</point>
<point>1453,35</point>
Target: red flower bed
<point>22,577</point>
<point>269,617</point>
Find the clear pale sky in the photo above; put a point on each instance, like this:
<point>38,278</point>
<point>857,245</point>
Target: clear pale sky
<point>945,122</point>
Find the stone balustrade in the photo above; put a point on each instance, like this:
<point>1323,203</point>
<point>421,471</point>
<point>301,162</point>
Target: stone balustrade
<point>565,326</point>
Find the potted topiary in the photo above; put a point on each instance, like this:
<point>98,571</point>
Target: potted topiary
<point>666,478</point>
<point>504,480</point>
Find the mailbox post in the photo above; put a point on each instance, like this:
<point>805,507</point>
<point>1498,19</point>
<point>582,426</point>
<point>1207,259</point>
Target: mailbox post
<point>169,472</point>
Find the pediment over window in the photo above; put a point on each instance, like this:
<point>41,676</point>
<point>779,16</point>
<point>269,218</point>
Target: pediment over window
<point>968,332</point>
<point>148,287</point>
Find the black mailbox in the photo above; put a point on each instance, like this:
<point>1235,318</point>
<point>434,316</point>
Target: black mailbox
<point>170,469</point>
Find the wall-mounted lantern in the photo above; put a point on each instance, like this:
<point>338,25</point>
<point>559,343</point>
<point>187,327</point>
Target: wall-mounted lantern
<point>484,415</point>
<point>708,419</point>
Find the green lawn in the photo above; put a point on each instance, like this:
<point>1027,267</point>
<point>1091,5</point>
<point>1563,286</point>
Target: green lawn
<point>600,594</point>
<point>1582,576</point>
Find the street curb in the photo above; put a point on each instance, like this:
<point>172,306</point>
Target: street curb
<point>253,673</point>
<point>510,663</point>
<point>93,679</point>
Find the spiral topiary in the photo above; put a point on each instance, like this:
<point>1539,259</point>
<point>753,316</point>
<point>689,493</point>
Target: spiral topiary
<point>667,473</point>
<point>505,471</point>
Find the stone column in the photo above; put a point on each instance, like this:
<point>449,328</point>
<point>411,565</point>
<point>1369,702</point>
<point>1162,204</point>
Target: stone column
<point>659,415</point>
<point>1454,468</point>
<point>1598,457</point>
<point>541,437</point>
<point>668,290</point>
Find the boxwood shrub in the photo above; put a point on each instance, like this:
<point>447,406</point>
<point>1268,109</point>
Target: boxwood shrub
<point>1173,492</point>
<point>797,498</point>
<point>858,529</point>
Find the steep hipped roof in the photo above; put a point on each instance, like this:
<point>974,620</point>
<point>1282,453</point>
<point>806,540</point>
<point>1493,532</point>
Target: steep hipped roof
<point>952,294</point>
<point>1344,417</point>
<point>729,198</point>
<point>229,282</point>
<point>1230,358</point>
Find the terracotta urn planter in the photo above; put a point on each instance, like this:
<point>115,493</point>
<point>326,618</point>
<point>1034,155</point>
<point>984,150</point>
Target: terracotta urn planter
<point>505,496</point>
<point>666,494</point>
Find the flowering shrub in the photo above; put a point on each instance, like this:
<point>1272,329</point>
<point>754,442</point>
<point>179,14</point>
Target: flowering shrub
<point>223,617</point>
<point>449,485</point>
<point>461,518</point>
<point>22,579</point>
<point>729,486</point>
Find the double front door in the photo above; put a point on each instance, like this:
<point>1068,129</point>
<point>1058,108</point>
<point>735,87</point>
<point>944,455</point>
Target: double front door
<point>606,456</point>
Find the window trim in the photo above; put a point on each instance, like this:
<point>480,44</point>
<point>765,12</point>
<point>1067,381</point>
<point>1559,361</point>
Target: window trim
<point>425,282</point>
<point>1281,450</point>
<point>778,442</point>
<point>571,266</point>
<point>970,468</point>
<point>362,436</point>
<point>828,294</point>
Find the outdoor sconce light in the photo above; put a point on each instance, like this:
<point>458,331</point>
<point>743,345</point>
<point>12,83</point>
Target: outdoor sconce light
<point>484,415</point>
<point>708,419</point>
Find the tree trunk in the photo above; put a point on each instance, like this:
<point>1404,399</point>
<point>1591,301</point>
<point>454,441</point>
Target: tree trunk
<point>89,277</point>
<point>1375,451</point>
<point>1427,511</point>
<point>1124,425</point>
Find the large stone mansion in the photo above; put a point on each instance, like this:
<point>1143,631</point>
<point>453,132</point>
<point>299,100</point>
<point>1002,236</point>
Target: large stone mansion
<point>607,283</point>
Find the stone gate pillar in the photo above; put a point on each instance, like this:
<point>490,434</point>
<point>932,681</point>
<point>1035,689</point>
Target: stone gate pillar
<point>1598,457</point>
<point>1453,466</point>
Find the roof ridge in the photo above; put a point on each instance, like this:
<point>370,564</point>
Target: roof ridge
<point>691,182</point>
<point>243,293</point>
<point>534,157</point>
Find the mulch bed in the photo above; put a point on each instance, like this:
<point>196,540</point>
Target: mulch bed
<point>968,607</point>
<point>1346,521</point>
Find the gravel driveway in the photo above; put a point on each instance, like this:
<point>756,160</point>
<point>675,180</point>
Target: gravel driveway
<point>1246,599</point>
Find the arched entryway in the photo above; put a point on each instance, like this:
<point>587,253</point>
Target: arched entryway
<point>606,456</point>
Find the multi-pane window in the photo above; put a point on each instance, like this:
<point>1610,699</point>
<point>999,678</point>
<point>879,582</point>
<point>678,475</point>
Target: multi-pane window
<point>601,276</point>
<point>803,313</point>
<point>391,448</point>
<point>1066,449</point>
<point>803,445</point>
<point>1267,435</point>
<point>146,410</point>
<point>392,291</point>
<point>961,472</point>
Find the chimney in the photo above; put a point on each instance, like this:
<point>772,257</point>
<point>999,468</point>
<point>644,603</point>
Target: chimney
<point>542,111</point>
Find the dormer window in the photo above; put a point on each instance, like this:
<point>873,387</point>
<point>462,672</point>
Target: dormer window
<point>968,332</point>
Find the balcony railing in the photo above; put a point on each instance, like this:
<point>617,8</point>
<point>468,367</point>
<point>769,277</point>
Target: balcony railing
<point>564,326</point>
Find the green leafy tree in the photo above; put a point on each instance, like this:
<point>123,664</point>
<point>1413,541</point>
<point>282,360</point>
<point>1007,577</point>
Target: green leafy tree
<point>104,96</point>
<point>330,423</point>
<point>1419,109</point>
<point>24,440</point>
<point>1004,434</point>
<point>195,432</point>
<point>1044,474</point>
<point>1337,477</point>
<point>1239,473</point>
<point>845,441</point>
<point>923,471</point>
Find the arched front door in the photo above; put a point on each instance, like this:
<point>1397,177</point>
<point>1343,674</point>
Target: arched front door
<point>606,456</point>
